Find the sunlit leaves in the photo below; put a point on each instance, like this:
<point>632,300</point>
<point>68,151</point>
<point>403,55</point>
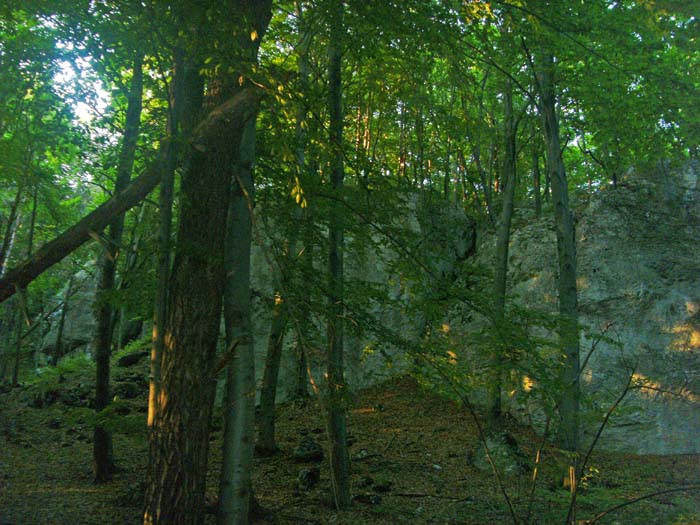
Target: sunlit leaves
<point>298,193</point>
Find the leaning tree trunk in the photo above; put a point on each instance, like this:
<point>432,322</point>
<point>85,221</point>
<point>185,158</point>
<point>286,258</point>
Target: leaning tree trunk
<point>102,439</point>
<point>337,433</point>
<point>179,439</point>
<point>59,248</point>
<point>566,249</point>
<point>494,416</point>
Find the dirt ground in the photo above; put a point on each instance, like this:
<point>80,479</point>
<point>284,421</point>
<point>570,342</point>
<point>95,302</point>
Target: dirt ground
<point>412,461</point>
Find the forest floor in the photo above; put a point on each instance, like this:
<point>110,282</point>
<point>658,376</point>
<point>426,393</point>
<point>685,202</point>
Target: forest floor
<point>412,461</point>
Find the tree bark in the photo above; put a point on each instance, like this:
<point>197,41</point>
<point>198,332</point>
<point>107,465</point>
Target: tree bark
<point>185,80</point>
<point>103,463</point>
<point>179,439</point>
<point>337,433</point>
<point>235,490</point>
<point>186,381</point>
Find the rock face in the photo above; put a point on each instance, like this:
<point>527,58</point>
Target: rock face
<point>638,250</point>
<point>443,235</point>
<point>639,283</point>
<point>79,323</point>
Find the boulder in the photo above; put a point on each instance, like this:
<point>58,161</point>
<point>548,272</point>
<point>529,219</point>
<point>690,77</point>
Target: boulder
<point>308,451</point>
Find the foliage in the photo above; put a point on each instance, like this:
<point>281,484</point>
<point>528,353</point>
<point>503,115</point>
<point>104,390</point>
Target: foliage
<point>424,86</point>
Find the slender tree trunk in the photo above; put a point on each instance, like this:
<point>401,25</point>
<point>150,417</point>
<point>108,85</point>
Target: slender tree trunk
<point>235,488</point>
<point>339,458</point>
<point>23,317</point>
<point>235,491</point>
<point>494,416</point>
<point>536,180</point>
<point>103,463</point>
<point>300,390</point>
<point>566,248</point>
<point>10,231</point>
<point>185,80</point>
<point>58,346</point>
<point>446,180</point>
<point>131,260</point>
<point>32,222</point>
<point>266,442</point>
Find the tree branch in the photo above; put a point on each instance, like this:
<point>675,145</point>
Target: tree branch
<point>207,135</point>
<point>60,247</point>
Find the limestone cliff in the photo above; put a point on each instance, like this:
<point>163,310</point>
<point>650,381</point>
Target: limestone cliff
<point>638,249</point>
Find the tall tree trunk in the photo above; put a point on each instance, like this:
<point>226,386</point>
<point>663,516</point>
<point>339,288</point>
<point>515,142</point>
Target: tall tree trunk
<point>102,439</point>
<point>536,179</point>
<point>494,415</point>
<point>266,442</point>
<point>235,491</point>
<point>300,389</point>
<point>235,488</point>
<point>58,345</point>
<point>10,231</point>
<point>23,317</point>
<point>337,433</point>
<point>185,80</point>
<point>179,438</point>
<point>566,249</point>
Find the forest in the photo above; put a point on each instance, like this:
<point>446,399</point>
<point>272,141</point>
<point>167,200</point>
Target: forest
<point>344,261</point>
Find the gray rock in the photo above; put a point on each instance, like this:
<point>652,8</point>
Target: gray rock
<point>308,451</point>
<point>308,478</point>
<point>639,286</point>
